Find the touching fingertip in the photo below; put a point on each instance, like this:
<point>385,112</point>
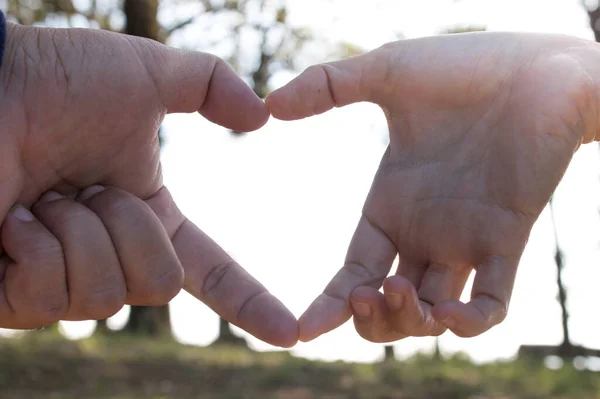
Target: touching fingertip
<point>306,331</point>
<point>22,213</point>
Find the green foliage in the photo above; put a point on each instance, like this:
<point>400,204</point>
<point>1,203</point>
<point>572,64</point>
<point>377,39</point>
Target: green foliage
<point>45,366</point>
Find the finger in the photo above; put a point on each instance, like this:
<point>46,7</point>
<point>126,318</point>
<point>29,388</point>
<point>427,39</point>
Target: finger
<point>323,87</point>
<point>406,312</point>
<point>369,259</point>
<point>443,282</point>
<point>218,281</point>
<point>152,271</point>
<point>33,293</point>
<point>490,297</point>
<point>192,81</point>
<point>96,284</point>
<point>371,319</point>
<point>412,271</point>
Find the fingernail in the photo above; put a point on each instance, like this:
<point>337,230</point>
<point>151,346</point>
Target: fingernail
<point>50,196</point>
<point>449,322</point>
<point>22,214</point>
<point>395,301</point>
<point>90,192</point>
<point>361,309</point>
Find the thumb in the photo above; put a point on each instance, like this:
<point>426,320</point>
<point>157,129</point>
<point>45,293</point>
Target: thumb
<point>336,84</point>
<point>192,81</point>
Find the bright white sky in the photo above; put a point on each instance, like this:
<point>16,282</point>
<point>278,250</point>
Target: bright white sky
<point>284,200</point>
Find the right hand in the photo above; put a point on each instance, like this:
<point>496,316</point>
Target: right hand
<point>82,107</point>
<point>482,128</point>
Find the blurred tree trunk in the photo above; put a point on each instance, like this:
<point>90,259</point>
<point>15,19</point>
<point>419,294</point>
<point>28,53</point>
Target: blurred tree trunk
<point>227,337</point>
<point>437,354</point>
<point>389,355</point>
<point>562,292</point>
<point>102,328</point>
<point>142,21</point>
<point>594,14</point>
<point>141,17</point>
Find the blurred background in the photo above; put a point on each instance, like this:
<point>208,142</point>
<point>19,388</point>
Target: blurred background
<point>284,202</point>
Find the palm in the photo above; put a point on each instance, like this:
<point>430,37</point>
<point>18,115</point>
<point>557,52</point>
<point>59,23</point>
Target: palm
<point>107,103</point>
<point>484,175</point>
<point>482,128</point>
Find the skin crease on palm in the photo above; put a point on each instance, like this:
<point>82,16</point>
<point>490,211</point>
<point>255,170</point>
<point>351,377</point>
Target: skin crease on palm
<point>82,107</point>
<point>482,128</point>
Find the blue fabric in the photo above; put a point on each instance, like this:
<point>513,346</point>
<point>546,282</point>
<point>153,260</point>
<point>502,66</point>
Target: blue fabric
<point>2,35</point>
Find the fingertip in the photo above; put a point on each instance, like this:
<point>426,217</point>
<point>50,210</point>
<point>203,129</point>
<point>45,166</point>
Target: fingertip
<point>287,332</point>
<point>398,292</point>
<point>361,310</point>
<point>90,192</point>
<point>284,333</point>
<point>365,294</point>
<point>227,93</point>
<point>21,214</point>
<point>445,309</point>
<point>268,319</point>
<point>50,196</point>
<point>446,313</point>
<point>323,315</point>
<point>464,320</point>
<point>310,93</point>
<point>308,328</point>
<point>277,105</point>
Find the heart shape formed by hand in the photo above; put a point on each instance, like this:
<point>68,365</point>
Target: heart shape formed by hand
<point>482,127</point>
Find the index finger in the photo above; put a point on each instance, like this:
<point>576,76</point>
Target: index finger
<point>368,262</point>
<point>213,277</point>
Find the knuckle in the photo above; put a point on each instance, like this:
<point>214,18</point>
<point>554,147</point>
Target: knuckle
<point>45,249</point>
<point>60,213</point>
<point>216,276</point>
<point>50,308</point>
<point>112,200</point>
<point>163,288</point>
<point>104,304</point>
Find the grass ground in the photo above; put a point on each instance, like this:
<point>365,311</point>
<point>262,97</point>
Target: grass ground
<point>45,366</point>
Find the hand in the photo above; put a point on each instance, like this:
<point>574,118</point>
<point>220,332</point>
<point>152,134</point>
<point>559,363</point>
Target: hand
<point>482,127</point>
<point>79,258</point>
<point>82,107</point>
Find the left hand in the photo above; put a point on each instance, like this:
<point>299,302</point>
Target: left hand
<point>80,107</point>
